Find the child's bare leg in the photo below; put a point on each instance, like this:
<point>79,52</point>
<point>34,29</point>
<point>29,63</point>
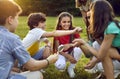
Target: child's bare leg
<point>108,63</point>
<point>46,52</point>
<point>108,68</point>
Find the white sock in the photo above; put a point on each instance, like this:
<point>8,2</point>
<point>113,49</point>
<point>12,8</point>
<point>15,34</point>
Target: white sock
<point>72,65</point>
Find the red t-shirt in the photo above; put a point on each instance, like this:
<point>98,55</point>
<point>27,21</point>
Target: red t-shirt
<point>66,39</point>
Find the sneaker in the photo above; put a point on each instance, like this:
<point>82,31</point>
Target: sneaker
<point>71,72</point>
<point>101,76</point>
<point>60,48</point>
<point>60,67</point>
<point>116,73</point>
<point>92,71</point>
<point>62,70</point>
<point>43,71</point>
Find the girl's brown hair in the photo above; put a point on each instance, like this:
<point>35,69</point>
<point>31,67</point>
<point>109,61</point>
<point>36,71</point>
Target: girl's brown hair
<point>101,15</point>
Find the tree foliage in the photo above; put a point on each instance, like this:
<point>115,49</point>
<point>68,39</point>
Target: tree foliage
<point>116,6</point>
<point>54,7</point>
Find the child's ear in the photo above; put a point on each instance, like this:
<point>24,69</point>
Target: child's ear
<point>10,20</point>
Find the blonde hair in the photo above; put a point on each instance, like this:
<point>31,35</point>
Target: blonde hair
<point>78,4</point>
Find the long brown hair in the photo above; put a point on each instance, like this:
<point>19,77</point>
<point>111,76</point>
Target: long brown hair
<point>101,15</point>
<point>59,27</point>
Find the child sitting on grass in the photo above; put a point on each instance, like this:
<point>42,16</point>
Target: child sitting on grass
<point>37,24</point>
<point>12,49</point>
<point>70,51</point>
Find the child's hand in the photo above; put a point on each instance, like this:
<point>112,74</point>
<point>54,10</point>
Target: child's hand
<point>67,46</point>
<point>79,42</point>
<point>72,59</point>
<point>60,48</point>
<point>45,40</point>
<point>53,58</point>
<point>78,29</point>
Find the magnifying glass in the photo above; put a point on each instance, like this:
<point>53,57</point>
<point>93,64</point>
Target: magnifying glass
<point>60,48</point>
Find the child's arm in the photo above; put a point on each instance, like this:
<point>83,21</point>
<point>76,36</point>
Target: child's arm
<point>55,47</point>
<point>69,57</point>
<point>15,68</point>
<point>34,65</point>
<point>46,41</point>
<point>70,45</point>
<point>61,32</point>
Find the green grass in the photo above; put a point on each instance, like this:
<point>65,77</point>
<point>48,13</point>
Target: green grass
<point>51,71</point>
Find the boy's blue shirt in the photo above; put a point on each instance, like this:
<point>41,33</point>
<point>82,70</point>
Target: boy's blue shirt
<point>11,48</point>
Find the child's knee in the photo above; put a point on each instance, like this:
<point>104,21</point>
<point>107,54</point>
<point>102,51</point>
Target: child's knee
<point>77,53</point>
<point>47,49</point>
<point>77,50</point>
<point>32,74</point>
<point>41,76</point>
<point>38,75</point>
<point>46,52</point>
<point>96,45</point>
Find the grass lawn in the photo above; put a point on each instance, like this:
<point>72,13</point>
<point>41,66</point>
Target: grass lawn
<point>51,71</point>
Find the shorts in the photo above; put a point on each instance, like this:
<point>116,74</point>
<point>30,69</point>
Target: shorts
<point>39,54</point>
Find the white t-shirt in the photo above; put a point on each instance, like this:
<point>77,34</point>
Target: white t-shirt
<point>32,40</point>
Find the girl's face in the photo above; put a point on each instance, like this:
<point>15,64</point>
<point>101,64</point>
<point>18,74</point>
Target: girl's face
<point>88,16</point>
<point>65,23</point>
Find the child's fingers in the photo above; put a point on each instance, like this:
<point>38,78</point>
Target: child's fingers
<point>79,30</point>
<point>57,53</point>
<point>75,40</point>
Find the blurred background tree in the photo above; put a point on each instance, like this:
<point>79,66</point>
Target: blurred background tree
<point>116,6</point>
<point>54,7</point>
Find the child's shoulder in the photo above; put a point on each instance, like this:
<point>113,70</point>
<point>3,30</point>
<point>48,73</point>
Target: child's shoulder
<point>113,24</point>
<point>11,36</point>
<point>37,29</point>
<point>112,27</point>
